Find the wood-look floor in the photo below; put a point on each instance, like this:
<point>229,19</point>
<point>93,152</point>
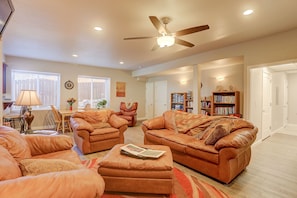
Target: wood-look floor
<point>272,172</point>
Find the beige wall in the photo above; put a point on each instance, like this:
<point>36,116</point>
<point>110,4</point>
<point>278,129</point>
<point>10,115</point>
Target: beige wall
<point>174,84</point>
<point>135,90</point>
<point>233,76</point>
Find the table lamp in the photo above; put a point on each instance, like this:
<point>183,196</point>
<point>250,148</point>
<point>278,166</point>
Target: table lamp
<point>28,98</point>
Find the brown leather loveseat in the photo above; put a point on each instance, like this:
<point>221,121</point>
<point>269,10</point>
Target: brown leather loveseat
<point>217,146</point>
<point>95,131</point>
<point>44,166</point>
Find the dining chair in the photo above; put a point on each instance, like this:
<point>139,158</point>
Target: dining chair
<point>58,120</point>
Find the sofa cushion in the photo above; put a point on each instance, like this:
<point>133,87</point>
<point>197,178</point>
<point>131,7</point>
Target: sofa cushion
<point>116,121</point>
<point>42,144</point>
<point>237,139</point>
<point>211,155</point>
<point>80,124</point>
<point>219,132</point>
<point>185,121</point>
<point>160,133</point>
<point>14,142</point>
<point>103,131</point>
<point>101,125</point>
<point>93,116</point>
<point>69,155</point>
<point>9,168</point>
<point>200,145</point>
<point>177,142</point>
<point>104,134</point>
<point>40,166</point>
<point>169,120</point>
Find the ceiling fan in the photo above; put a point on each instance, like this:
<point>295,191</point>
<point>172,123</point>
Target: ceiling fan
<point>166,38</point>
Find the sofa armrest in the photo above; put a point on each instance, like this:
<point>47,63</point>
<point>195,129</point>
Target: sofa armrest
<point>80,124</point>
<point>55,184</point>
<point>117,122</point>
<point>154,123</point>
<point>237,139</point>
<point>43,144</point>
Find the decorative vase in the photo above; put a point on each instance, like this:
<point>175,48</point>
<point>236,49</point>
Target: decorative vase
<point>70,107</point>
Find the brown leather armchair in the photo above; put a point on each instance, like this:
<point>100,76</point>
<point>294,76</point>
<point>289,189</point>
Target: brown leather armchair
<point>95,131</point>
<point>128,113</point>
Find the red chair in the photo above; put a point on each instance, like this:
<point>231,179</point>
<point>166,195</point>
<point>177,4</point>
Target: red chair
<point>128,112</point>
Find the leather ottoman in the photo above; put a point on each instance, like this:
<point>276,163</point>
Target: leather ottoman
<point>122,173</point>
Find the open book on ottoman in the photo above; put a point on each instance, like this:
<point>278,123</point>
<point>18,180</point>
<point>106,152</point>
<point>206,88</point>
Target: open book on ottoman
<point>140,152</point>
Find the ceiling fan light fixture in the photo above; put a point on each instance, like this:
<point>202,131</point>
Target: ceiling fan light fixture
<point>165,41</point>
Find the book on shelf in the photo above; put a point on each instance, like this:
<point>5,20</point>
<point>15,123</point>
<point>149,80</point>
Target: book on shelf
<point>140,152</point>
<point>225,110</point>
<point>224,99</point>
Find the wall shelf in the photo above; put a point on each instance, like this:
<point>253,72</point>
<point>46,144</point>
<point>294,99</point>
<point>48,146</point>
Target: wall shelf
<point>225,103</point>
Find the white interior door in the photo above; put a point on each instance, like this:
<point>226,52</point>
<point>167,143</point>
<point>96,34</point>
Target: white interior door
<point>160,98</point>
<point>149,107</point>
<point>266,101</point>
<point>285,107</point>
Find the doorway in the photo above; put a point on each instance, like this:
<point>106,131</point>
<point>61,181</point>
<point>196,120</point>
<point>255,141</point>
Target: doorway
<point>266,104</point>
<point>270,86</point>
<point>156,98</point>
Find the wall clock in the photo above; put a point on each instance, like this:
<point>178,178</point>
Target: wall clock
<point>69,84</point>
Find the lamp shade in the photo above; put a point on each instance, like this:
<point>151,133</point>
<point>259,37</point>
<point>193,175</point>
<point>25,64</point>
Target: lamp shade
<point>28,98</point>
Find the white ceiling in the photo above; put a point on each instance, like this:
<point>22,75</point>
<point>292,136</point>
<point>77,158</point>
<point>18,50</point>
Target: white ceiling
<point>56,29</point>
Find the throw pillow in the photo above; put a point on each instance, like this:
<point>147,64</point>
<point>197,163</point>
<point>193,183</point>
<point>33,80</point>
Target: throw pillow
<point>14,142</point>
<point>9,168</point>
<point>219,132</point>
<point>40,166</point>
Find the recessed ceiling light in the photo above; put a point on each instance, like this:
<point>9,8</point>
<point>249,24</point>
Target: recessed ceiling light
<point>75,55</point>
<point>248,12</point>
<point>97,28</point>
<point>121,62</point>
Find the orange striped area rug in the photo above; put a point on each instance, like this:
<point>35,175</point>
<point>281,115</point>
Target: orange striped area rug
<point>185,186</point>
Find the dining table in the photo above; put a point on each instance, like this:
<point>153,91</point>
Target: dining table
<point>66,113</point>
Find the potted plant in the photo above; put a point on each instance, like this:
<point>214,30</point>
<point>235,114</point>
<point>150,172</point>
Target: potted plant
<point>101,104</point>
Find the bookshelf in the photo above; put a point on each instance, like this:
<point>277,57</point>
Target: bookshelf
<point>189,102</point>
<point>182,101</point>
<point>206,106</point>
<point>225,103</point>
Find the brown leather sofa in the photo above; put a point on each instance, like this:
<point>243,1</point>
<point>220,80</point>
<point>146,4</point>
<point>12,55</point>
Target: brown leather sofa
<point>95,131</point>
<point>128,113</point>
<point>219,147</point>
<point>53,169</point>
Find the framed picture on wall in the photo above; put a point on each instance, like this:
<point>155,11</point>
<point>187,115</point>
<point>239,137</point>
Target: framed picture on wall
<point>121,89</point>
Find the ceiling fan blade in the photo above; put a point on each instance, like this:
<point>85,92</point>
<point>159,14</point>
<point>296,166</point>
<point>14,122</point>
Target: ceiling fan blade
<point>158,25</point>
<point>191,30</point>
<point>183,42</point>
<point>140,37</point>
<point>155,47</point>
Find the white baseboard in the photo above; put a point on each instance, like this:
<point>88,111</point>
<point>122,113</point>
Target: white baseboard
<point>291,127</point>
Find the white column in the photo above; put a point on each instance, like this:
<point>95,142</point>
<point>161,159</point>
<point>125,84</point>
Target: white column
<point>196,89</point>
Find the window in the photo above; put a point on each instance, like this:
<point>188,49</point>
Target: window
<point>92,89</point>
<point>47,86</point>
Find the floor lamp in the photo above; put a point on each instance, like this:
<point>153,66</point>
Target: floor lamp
<point>28,98</point>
